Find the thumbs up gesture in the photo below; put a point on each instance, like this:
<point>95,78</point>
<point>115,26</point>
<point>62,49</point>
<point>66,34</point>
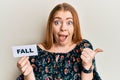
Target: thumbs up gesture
<point>88,55</point>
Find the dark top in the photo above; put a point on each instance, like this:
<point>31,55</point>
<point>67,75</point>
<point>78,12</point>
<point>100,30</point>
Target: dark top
<point>60,66</point>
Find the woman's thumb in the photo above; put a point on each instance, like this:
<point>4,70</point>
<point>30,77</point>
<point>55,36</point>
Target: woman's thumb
<point>98,50</point>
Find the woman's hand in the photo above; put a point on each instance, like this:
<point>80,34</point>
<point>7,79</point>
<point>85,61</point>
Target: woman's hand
<point>25,68</point>
<point>87,57</point>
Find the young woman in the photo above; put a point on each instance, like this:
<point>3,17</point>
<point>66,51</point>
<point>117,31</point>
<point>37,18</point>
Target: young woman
<point>63,55</point>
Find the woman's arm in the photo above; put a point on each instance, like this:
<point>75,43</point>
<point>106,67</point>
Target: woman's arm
<point>87,73</point>
<point>87,57</point>
<point>30,76</point>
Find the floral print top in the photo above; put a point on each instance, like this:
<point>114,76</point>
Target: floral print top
<point>60,66</point>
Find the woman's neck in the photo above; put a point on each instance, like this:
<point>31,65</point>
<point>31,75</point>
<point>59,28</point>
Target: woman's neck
<point>62,48</point>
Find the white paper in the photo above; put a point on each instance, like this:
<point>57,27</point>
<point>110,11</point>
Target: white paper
<point>24,50</point>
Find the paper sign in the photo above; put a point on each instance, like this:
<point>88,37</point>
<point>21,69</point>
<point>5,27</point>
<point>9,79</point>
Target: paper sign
<point>25,50</point>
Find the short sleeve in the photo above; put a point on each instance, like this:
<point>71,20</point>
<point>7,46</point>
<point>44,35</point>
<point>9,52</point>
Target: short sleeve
<point>85,44</point>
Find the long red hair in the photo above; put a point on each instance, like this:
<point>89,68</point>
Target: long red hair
<point>49,39</point>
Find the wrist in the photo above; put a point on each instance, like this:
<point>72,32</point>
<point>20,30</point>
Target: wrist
<point>87,69</point>
<point>30,76</point>
<point>88,66</point>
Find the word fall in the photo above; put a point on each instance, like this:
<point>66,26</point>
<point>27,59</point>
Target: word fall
<point>21,51</point>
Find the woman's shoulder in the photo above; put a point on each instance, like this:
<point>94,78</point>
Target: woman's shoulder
<point>42,49</point>
<point>85,41</point>
<point>85,44</point>
<point>40,46</point>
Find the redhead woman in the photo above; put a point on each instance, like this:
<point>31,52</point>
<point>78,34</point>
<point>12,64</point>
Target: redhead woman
<point>64,54</point>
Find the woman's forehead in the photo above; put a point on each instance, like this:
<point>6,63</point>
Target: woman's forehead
<point>63,15</point>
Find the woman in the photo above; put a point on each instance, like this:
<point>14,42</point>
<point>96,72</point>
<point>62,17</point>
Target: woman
<point>63,55</point>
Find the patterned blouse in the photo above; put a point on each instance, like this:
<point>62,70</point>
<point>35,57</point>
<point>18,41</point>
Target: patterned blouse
<point>60,66</point>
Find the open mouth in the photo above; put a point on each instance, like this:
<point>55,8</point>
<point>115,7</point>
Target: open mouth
<point>62,38</point>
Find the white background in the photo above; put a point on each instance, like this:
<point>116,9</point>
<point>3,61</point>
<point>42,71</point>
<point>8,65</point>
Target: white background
<point>23,22</point>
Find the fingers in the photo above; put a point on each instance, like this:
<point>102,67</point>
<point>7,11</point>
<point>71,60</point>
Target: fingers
<point>98,50</point>
<point>88,52</point>
<point>22,61</point>
<point>24,65</point>
<point>28,70</point>
<point>92,52</point>
<point>23,69</point>
<point>88,55</point>
<point>85,59</point>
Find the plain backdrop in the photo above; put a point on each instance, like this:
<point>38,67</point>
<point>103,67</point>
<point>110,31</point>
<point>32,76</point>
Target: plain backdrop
<point>23,22</point>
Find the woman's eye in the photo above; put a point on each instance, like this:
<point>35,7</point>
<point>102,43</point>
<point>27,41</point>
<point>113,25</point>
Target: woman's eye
<point>70,23</point>
<point>57,22</point>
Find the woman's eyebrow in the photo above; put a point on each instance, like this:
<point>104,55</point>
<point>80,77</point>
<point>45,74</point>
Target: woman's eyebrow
<point>61,18</point>
<point>57,18</point>
<point>69,18</point>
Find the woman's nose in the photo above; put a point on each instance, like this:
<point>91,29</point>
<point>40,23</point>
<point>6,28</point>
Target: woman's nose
<point>63,26</point>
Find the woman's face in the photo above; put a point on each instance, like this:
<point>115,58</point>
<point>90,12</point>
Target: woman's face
<point>63,27</point>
